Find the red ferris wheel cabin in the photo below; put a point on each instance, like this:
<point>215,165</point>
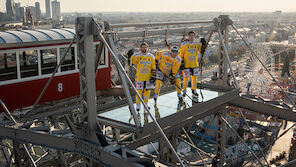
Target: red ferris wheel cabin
<point>28,59</point>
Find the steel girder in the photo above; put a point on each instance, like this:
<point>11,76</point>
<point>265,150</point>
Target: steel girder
<point>105,156</point>
<point>264,108</point>
<point>120,25</point>
<point>118,124</point>
<point>161,32</point>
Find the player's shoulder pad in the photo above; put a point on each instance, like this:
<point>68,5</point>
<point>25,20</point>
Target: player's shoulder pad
<point>185,42</point>
<point>158,52</point>
<point>138,54</point>
<point>149,54</point>
<point>166,53</point>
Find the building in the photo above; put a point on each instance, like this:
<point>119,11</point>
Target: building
<point>292,40</point>
<point>277,13</point>
<point>31,14</point>
<point>37,11</point>
<point>3,17</point>
<point>22,14</point>
<point>10,9</point>
<point>17,10</point>
<point>56,10</point>
<point>47,7</point>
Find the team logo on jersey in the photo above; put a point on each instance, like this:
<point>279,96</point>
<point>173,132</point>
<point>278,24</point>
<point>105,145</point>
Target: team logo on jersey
<point>191,51</point>
<point>144,63</point>
<point>169,65</point>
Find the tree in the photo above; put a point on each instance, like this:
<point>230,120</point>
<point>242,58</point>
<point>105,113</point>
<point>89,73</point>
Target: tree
<point>286,67</point>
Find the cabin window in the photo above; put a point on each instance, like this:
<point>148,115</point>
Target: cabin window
<point>103,57</point>
<point>48,60</point>
<point>8,69</point>
<point>69,62</point>
<point>28,63</point>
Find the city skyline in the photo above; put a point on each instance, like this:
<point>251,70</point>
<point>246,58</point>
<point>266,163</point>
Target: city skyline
<point>20,12</point>
<point>168,6</point>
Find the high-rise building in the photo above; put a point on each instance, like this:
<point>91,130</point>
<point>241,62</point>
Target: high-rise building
<point>17,10</point>
<point>37,11</point>
<point>47,7</point>
<point>56,10</point>
<point>10,9</point>
<point>23,14</point>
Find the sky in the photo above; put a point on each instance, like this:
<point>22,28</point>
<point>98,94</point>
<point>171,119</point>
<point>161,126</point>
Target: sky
<point>167,5</point>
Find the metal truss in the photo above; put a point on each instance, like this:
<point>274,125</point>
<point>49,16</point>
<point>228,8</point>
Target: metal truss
<point>104,156</point>
<point>159,23</point>
<point>88,115</point>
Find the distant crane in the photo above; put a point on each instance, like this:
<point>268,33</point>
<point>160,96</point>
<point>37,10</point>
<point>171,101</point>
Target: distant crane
<point>30,17</point>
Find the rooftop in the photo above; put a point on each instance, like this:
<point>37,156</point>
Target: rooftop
<point>22,36</point>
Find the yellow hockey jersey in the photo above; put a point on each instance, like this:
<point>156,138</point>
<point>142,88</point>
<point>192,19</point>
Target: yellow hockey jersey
<point>166,63</point>
<point>189,53</point>
<point>144,64</point>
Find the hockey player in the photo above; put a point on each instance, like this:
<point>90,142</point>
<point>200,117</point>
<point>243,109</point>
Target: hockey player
<point>167,64</point>
<point>146,71</point>
<point>189,53</point>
